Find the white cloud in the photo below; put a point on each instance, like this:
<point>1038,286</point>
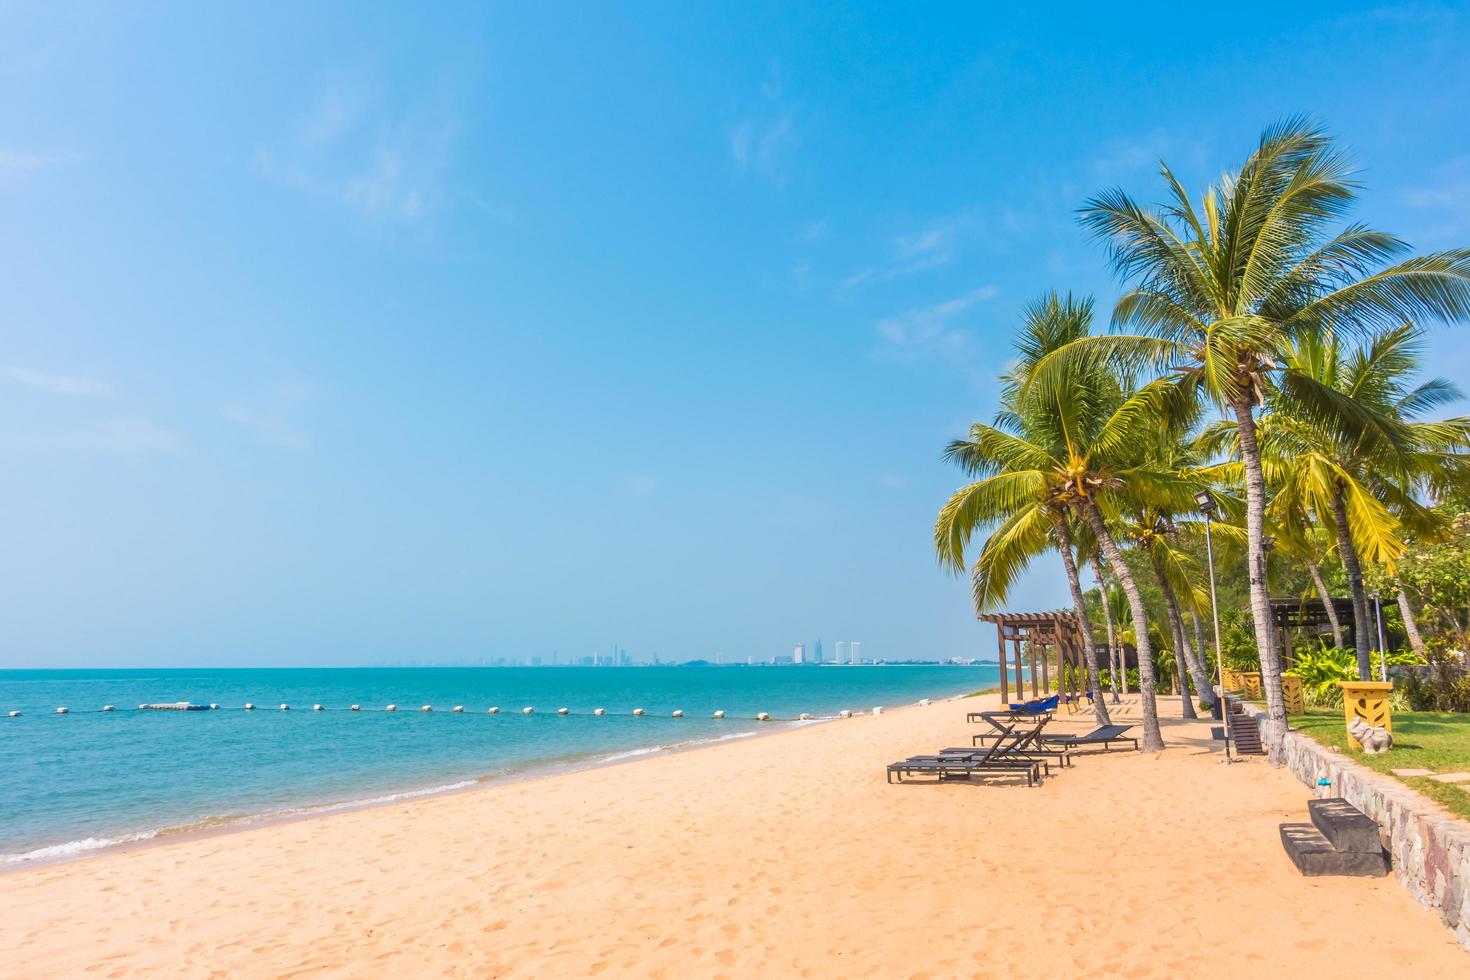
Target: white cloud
<point>814,231</point>
<point>56,384</point>
<point>1447,196</point>
<point>931,330</point>
<point>113,437</point>
<point>761,142</point>
<point>641,484</point>
<point>381,166</point>
<point>18,164</point>
<point>929,247</point>
<point>1130,154</point>
<point>272,423</point>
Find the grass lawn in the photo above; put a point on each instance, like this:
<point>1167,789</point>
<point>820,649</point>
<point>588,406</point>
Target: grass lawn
<point>1421,740</point>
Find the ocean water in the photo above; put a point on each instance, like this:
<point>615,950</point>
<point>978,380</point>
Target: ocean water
<point>90,779</point>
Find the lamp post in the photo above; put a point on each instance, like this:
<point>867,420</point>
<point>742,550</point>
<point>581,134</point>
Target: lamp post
<point>1206,505</point>
<point>1382,640</point>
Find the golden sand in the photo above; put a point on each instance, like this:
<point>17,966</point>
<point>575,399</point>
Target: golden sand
<point>780,856</point>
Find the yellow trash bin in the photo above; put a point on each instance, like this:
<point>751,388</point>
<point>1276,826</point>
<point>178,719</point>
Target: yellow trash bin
<point>1291,691</point>
<point>1367,700</point>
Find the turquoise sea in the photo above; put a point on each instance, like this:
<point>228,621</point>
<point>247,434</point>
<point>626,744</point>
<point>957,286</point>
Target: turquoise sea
<point>90,779</point>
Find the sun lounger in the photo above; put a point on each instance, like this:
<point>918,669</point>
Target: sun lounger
<point>999,759</point>
<point>1104,735</point>
<point>1037,707</point>
<point>959,767</point>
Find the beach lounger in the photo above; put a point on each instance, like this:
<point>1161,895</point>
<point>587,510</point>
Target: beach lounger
<point>1104,736</point>
<point>992,761</point>
<point>1036,708</point>
<point>960,767</point>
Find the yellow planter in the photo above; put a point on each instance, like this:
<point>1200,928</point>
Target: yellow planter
<point>1367,700</point>
<point>1249,682</point>
<point>1291,690</point>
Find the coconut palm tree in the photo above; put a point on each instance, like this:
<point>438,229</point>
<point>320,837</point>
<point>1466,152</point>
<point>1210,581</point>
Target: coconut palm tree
<point>1220,289</point>
<point>1368,459</point>
<point>1083,448</point>
<point>1114,655</point>
<point>1014,493</point>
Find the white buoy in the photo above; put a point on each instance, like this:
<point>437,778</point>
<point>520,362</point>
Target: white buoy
<point>494,711</point>
<point>459,709</point>
<point>357,707</point>
<point>805,716</point>
<point>391,707</point>
<point>285,707</point>
<point>107,707</point>
<point>426,707</point>
<point>718,714</point>
<point>844,713</point>
<point>562,711</point>
<point>15,714</point>
<point>762,717</point>
<point>599,712</point>
<point>248,706</point>
<point>528,711</point>
<point>678,714</point>
<point>316,707</point>
<point>878,710</point>
<point>61,711</point>
<point>638,712</point>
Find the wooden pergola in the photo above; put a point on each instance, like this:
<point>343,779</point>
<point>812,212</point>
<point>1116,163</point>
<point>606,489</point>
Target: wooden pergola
<point>1290,614</point>
<point>1045,635</point>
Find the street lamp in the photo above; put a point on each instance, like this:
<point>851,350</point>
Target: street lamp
<point>1206,505</point>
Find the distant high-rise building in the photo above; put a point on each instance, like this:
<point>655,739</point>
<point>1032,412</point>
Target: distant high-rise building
<point>817,651</point>
<point>798,654</point>
<point>841,655</point>
<point>856,649</point>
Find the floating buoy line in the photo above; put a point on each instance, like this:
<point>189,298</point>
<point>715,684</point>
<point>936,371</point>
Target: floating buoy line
<point>458,709</point>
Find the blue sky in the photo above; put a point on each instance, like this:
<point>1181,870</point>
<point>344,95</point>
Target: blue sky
<point>337,335</point>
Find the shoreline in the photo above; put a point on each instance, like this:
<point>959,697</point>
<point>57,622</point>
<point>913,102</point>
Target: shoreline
<point>756,857</point>
<point>226,825</point>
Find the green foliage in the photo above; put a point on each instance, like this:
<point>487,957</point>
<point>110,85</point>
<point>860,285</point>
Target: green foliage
<point>1421,740</point>
<point>1321,669</point>
<point>1444,686</point>
<point>1438,576</point>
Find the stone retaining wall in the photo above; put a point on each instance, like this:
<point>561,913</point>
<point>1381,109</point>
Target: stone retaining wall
<point>1430,848</point>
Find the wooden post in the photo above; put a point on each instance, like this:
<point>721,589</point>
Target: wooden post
<point>1046,670</point>
<point>1020,674</point>
<point>1000,644</point>
<point>1031,656</point>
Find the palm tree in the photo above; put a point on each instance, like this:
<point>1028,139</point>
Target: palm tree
<point>1114,656</point>
<point>1220,289</point>
<point>1082,445</point>
<point>1016,494</point>
<point>1366,459</point>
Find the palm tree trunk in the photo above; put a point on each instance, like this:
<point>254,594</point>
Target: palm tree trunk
<point>1194,657</point>
<point>1255,527</point>
<point>1354,568</point>
<point>1326,598</point>
<point>1102,591</point>
<point>1182,659</point>
<point>1064,541</point>
<point>1153,738</point>
<point>1204,658</point>
<point>1411,625</point>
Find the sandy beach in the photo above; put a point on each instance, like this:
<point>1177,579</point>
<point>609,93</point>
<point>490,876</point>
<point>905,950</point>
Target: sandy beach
<point>787,855</point>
